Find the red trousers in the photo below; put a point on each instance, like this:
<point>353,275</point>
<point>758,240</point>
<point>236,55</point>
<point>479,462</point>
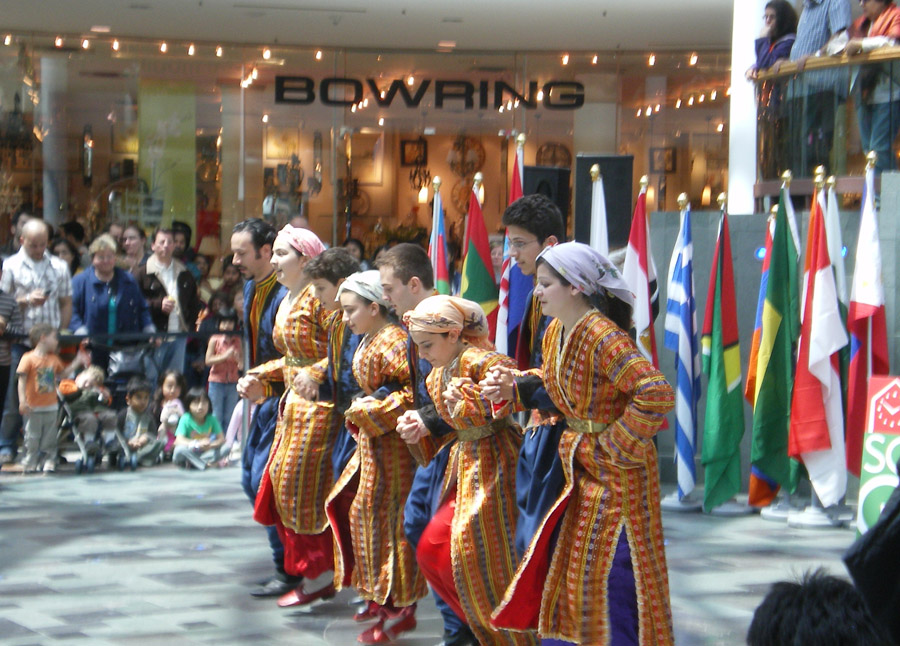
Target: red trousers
<point>433,555</point>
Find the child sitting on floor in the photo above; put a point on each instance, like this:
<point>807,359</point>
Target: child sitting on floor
<point>137,424</point>
<point>169,407</point>
<point>199,441</point>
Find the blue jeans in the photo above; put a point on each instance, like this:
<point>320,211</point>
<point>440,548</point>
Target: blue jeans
<point>11,424</point>
<point>878,126</point>
<point>168,356</point>
<point>224,398</point>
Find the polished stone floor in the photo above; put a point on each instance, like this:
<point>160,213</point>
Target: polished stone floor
<point>164,556</point>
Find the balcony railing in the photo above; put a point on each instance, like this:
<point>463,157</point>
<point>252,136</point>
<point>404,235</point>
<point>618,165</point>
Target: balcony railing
<point>830,113</point>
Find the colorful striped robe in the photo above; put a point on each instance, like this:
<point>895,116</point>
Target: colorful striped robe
<point>598,376</point>
<point>384,566</point>
<point>484,470</point>
<point>299,467</point>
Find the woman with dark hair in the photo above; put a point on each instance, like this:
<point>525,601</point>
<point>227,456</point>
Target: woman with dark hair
<point>358,250</point>
<point>68,253</point>
<point>777,37</point>
<point>595,571</point>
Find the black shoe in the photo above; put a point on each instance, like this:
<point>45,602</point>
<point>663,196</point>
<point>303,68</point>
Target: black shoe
<point>276,586</point>
<point>464,637</point>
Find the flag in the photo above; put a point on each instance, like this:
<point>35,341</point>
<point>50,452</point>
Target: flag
<point>762,488</point>
<point>478,271</point>
<point>867,324</point>
<point>599,233</point>
<point>817,424</point>
<point>681,337</point>
<point>437,246</point>
<point>723,425</point>
<point>775,359</point>
<point>639,272</point>
<point>503,342</point>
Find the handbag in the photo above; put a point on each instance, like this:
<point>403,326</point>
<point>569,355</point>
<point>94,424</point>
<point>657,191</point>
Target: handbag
<point>129,362</point>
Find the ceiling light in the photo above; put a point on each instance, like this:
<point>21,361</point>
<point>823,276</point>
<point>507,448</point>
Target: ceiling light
<point>191,49</point>
<point>657,107</point>
<point>691,101</point>
<point>254,74</point>
<point>565,59</point>
<point>594,60</point>
<point>713,95</point>
<point>702,98</point>
<point>100,29</point>
<point>639,112</point>
<point>265,118</point>
<point>365,102</point>
<point>500,110</point>
<point>353,108</point>
<point>58,41</point>
<point>509,105</point>
<point>85,43</point>
<point>728,91</point>
<point>267,53</point>
<point>380,121</point>
<point>115,45</point>
<point>446,44</point>
<point>163,47</point>
<point>540,95</point>
<point>318,54</point>
<point>720,127</point>
<point>219,51</point>
<point>410,80</point>
<point>651,60</point>
<point>649,111</point>
<point>7,39</point>
<point>678,104</point>
<point>693,59</point>
<point>383,94</point>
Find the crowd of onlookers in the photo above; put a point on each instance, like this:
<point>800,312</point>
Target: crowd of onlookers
<point>155,321</point>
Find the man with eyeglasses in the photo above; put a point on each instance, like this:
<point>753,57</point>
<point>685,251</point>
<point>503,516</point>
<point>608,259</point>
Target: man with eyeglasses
<point>533,223</point>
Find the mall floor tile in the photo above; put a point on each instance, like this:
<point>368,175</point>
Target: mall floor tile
<point>165,556</point>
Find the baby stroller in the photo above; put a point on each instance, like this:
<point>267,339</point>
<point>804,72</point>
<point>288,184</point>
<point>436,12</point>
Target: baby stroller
<point>90,449</point>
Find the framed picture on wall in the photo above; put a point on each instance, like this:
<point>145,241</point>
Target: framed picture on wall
<point>413,152</point>
<point>662,160</point>
<point>282,141</point>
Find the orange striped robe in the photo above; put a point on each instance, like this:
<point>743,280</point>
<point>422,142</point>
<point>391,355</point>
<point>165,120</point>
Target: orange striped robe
<point>612,484</point>
<point>299,467</point>
<point>482,549</point>
<point>385,569</point>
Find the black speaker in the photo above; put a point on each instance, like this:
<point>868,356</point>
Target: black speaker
<point>617,171</point>
<point>552,183</point>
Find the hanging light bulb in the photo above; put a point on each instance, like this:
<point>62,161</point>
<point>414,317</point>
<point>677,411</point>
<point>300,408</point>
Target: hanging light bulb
<point>219,51</point>
<point>595,59</point>
<point>565,59</point>
<point>678,104</point>
<point>720,127</point>
<point>380,121</point>
<point>693,59</point>
<point>254,74</point>
<point>115,45</point>
<point>657,107</point>
<point>265,118</point>
<point>639,112</point>
<point>691,101</point>
<point>651,60</point>
<point>318,54</point>
<point>191,49</point>
<point>85,44</point>
<point>540,95</point>
<point>267,53</point>
<point>58,41</point>
<point>7,40</point>
<point>713,95</point>
<point>383,94</point>
<point>353,108</point>
<point>702,98</point>
<point>163,47</point>
<point>410,80</point>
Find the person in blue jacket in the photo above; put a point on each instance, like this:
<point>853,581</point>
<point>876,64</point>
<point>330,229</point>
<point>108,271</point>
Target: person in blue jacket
<point>251,242</point>
<point>107,300</point>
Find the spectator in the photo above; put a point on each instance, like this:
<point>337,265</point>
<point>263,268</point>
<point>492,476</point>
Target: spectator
<point>135,245</point>
<point>877,94</point>
<point>15,233</point>
<point>204,286</point>
<point>199,440</point>
<point>117,231</point>
<point>74,233</point>
<point>224,357</point>
<point>231,277</point>
<point>358,251</point>
<point>42,288</point>
<point>68,253</point>
<point>777,38</point>
<point>107,299</point>
<point>497,259</point>
<point>171,293</point>
<point>822,610</point>
<point>817,93</point>
<point>137,425</point>
<point>182,233</point>
<point>11,324</point>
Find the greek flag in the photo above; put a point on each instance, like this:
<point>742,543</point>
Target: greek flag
<point>681,337</point>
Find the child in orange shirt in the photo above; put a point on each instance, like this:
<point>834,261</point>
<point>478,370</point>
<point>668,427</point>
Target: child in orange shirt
<point>38,373</point>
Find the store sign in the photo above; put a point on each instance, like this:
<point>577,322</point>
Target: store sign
<point>340,91</point>
<point>881,450</point>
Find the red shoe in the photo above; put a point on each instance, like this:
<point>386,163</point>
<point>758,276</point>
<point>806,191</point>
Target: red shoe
<point>367,613</point>
<point>382,634</point>
<point>299,597</point>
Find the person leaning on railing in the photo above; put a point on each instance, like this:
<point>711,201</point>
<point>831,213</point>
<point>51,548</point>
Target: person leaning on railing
<point>778,34</point>
<point>875,91</point>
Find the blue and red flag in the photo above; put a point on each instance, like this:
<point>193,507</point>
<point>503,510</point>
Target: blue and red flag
<point>437,246</point>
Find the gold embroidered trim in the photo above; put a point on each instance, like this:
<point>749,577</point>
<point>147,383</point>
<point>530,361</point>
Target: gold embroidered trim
<point>478,432</point>
<point>586,426</point>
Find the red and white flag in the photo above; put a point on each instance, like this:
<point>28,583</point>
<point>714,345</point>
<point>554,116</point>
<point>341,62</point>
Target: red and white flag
<point>639,272</point>
<point>866,322</point>
<point>817,419</point>
<point>501,341</point>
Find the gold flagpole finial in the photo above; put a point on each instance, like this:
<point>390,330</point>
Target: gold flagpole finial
<point>437,183</point>
<point>831,182</point>
<point>479,178</point>
<point>871,158</point>
<point>773,210</point>
<point>721,200</point>
<point>645,181</point>
<point>595,172</point>
<point>520,140</point>
<point>683,200</point>
<point>820,177</point>
<point>786,177</point>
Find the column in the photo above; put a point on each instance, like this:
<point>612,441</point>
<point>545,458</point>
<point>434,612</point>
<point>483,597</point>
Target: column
<point>53,122</point>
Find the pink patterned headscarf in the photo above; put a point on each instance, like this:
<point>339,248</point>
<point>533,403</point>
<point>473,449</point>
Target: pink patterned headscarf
<point>587,269</point>
<point>439,314</point>
<point>303,240</point>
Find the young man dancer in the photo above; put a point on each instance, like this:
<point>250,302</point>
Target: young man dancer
<point>251,243</point>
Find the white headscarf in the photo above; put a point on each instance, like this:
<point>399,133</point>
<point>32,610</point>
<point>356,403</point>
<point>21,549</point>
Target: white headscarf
<point>587,270</point>
<point>366,284</point>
